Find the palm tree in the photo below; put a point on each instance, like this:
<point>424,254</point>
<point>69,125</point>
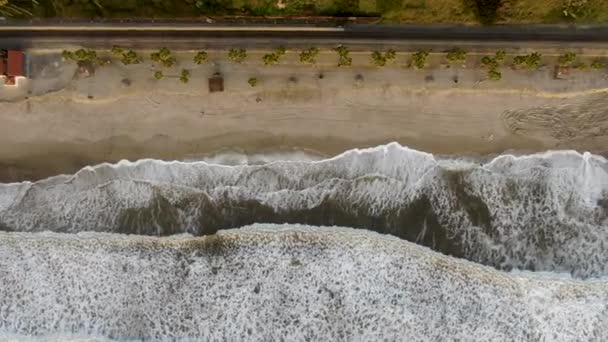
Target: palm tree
<point>164,57</point>
<point>201,57</point>
<point>309,55</point>
<point>456,55</point>
<point>419,59</point>
<point>237,55</point>
<point>130,57</point>
<point>344,57</point>
<point>117,51</point>
<point>184,76</point>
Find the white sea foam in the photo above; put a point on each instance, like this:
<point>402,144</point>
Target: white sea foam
<point>547,211</point>
<point>233,158</point>
<point>270,283</point>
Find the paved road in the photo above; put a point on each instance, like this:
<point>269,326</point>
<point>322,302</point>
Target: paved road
<point>184,35</point>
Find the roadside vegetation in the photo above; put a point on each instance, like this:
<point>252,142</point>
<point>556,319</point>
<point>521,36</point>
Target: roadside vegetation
<point>127,57</point>
<point>85,57</point>
<point>394,11</point>
<point>344,58</point>
<point>165,59</point>
<point>381,59</point>
<point>529,61</point>
<point>597,65</point>
<point>184,76</point>
<point>274,57</point>
<point>201,57</point>
<point>456,55</point>
<point>80,55</point>
<point>237,55</point>
<point>419,59</point>
<point>566,59</point>
<point>309,56</point>
<point>492,64</point>
<point>569,60</point>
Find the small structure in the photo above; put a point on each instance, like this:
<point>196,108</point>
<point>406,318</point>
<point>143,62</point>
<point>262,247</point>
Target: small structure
<point>12,66</point>
<point>561,72</point>
<point>216,83</point>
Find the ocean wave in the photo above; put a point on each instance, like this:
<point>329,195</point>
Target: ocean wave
<point>288,282</point>
<point>543,212</point>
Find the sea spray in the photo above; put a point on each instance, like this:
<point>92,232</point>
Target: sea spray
<point>543,212</point>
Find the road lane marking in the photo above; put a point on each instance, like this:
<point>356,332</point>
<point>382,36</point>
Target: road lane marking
<point>172,28</point>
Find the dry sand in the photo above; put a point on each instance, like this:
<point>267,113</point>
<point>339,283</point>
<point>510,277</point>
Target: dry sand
<point>292,108</point>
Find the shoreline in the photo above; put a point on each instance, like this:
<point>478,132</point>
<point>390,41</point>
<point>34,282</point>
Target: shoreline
<point>39,161</point>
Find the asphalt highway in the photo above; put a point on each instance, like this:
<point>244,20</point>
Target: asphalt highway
<point>179,35</point>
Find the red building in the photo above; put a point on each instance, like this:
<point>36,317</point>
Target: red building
<point>12,66</point>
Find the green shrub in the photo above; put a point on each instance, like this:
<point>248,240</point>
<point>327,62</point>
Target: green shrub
<point>117,51</point>
<point>280,51</point>
<point>184,76</point>
<point>457,55</point>
<point>83,55</point>
<point>597,64</point>
<point>309,55</point>
<point>159,75</point>
<point>566,59</point>
<point>419,59</point>
<point>130,57</point>
<point>530,61</point>
<point>492,64</point>
<point>342,50</point>
<point>489,62</point>
<point>380,59</point>
<point>201,57</point>
<point>237,55</point>
<point>500,55</point>
<point>68,55</point>
<point>163,57</point>
<point>344,56</point>
<point>252,81</point>
<point>345,61</point>
<point>390,55</point>
<point>494,74</point>
<point>126,57</point>
<point>270,59</point>
<point>273,58</point>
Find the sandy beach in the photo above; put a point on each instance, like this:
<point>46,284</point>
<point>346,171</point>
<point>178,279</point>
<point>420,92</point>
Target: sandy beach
<point>124,113</point>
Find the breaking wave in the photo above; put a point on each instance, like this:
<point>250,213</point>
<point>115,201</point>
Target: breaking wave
<point>542,212</point>
<point>270,283</point>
